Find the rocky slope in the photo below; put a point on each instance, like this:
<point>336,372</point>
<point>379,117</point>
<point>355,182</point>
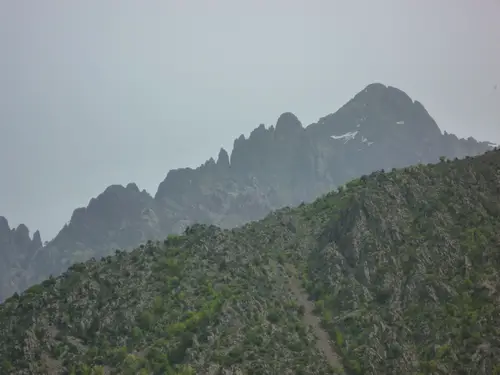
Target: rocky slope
<point>402,269</point>
<point>283,165</point>
<point>17,249</point>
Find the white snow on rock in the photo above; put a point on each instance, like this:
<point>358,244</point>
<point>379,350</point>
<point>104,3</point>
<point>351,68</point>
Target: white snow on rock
<point>347,136</point>
<point>494,145</point>
<point>351,135</point>
<point>400,122</point>
<point>365,140</point>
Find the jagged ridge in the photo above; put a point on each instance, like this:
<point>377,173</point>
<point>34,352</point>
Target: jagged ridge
<point>402,268</point>
<point>380,128</point>
<point>17,250</point>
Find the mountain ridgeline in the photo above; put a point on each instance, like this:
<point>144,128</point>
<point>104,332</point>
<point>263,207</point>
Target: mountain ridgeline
<point>17,250</point>
<point>393,273</point>
<point>279,166</point>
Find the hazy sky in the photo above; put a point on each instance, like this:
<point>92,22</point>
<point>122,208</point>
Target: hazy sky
<point>98,92</point>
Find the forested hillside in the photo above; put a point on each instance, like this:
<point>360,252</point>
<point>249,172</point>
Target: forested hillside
<point>401,269</point>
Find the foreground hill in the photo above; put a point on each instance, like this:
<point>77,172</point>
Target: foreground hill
<point>402,268</point>
<point>283,165</point>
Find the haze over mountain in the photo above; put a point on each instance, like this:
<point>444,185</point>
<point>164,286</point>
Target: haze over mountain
<point>283,165</point>
<point>177,80</point>
<point>394,273</point>
<point>363,242</point>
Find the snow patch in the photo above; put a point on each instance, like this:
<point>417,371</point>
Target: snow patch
<point>351,135</point>
<point>400,122</point>
<point>346,137</point>
<point>365,140</point>
<point>494,145</point>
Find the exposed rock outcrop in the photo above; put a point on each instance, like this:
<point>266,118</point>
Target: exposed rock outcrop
<point>17,250</point>
<point>282,165</point>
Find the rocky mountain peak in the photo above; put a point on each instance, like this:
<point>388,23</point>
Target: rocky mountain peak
<point>16,251</point>
<point>109,215</point>
<point>18,236</point>
<point>22,230</point>
<point>380,107</point>
<point>21,236</point>
<point>376,92</point>
<point>132,187</point>
<point>394,105</point>
<point>381,127</point>
<point>288,123</point>
<point>37,240</point>
<point>381,118</point>
<point>4,227</point>
<point>223,158</point>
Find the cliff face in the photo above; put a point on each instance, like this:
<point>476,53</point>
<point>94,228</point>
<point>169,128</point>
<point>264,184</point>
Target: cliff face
<point>382,127</point>
<point>393,273</point>
<point>17,250</point>
<point>282,165</point>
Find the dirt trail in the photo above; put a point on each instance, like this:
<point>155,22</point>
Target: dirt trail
<point>323,341</point>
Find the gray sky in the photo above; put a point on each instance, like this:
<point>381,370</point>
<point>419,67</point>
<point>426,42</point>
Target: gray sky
<point>99,92</point>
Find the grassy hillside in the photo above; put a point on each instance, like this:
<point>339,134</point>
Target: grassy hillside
<point>401,268</point>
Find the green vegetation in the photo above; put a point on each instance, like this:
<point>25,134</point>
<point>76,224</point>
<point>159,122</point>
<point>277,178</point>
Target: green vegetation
<point>402,269</point>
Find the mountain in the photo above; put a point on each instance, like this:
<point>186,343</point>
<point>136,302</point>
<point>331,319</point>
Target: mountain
<point>283,165</point>
<point>393,273</point>
<point>17,249</point>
